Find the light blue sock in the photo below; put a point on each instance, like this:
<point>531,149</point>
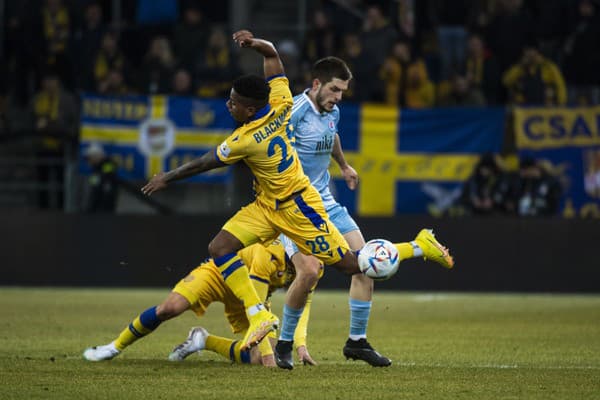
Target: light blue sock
<point>359,318</point>
<point>289,322</point>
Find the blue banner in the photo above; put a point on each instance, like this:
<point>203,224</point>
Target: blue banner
<point>412,161</point>
<point>150,134</point>
<point>569,139</point>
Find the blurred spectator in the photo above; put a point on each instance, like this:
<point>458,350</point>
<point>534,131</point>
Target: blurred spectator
<point>363,71</point>
<point>157,67</point>
<point>482,12</point>
<point>88,40</point>
<point>54,114</point>
<point>507,32</point>
<point>451,17</point>
<point>56,30</point>
<point>406,81</point>
<point>479,195</point>
<point>378,36</point>
<point>549,23</point>
<point>582,54</point>
<point>538,191</point>
<point>481,69</point>
<point>462,94</point>
<point>190,35</point>
<point>182,83</point>
<point>216,68</point>
<point>320,40</point>
<point>114,84</point>
<point>290,56</point>
<point>102,184</point>
<point>109,59</point>
<point>535,80</point>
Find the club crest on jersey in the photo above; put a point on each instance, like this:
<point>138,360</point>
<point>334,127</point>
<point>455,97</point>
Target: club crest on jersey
<point>331,126</point>
<point>323,227</point>
<point>225,149</point>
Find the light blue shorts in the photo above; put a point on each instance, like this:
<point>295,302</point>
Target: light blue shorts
<point>338,215</point>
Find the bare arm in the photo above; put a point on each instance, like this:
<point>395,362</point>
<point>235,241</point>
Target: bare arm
<point>198,165</point>
<point>272,62</point>
<point>349,174</point>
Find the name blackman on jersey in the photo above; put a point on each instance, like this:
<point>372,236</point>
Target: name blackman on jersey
<point>272,127</point>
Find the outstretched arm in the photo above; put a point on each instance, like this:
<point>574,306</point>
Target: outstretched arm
<point>198,165</point>
<point>348,173</point>
<point>272,62</point>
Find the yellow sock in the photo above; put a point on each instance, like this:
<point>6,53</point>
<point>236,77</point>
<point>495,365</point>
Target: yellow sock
<point>264,347</point>
<point>237,278</point>
<point>405,250</point>
<point>142,325</point>
<point>228,348</point>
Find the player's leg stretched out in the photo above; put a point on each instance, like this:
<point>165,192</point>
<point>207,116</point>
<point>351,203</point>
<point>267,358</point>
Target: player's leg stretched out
<point>200,339</point>
<point>142,325</point>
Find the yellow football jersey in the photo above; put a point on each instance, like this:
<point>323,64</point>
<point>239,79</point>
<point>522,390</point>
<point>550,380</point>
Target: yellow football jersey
<point>264,146</point>
<point>268,264</point>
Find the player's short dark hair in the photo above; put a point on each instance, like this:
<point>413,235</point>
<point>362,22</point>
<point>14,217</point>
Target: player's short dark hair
<point>328,68</point>
<point>254,88</point>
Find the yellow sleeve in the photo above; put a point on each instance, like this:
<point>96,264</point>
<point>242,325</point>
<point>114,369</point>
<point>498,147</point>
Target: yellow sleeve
<point>427,93</point>
<point>302,327</point>
<point>233,149</point>
<point>280,91</point>
<point>511,76</point>
<point>559,84</point>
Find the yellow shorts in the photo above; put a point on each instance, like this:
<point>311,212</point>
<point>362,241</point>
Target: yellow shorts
<point>303,219</point>
<point>205,285</point>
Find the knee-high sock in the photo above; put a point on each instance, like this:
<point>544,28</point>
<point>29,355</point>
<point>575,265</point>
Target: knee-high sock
<point>290,322</point>
<point>228,348</point>
<point>408,250</point>
<point>142,325</point>
<point>359,318</point>
<point>237,278</point>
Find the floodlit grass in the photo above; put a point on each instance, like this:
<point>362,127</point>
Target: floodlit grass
<point>454,346</point>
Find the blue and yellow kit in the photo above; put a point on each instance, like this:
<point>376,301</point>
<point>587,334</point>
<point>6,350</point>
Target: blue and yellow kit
<point>268,271</point>
<point>286,202</point>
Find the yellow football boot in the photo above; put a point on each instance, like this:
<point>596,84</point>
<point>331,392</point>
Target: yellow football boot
<point>433,250</point>
<point>261,324</point>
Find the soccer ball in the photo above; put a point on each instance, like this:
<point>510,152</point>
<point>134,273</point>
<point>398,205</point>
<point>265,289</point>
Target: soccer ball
<point>378,259</point>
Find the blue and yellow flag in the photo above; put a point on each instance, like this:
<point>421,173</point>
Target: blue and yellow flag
<point>412,161</point>
<point>569,138</point>
<point>150,134</point>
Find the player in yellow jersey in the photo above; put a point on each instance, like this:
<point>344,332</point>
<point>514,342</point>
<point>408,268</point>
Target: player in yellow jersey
<point>269,269</point>
<point>286,202</point>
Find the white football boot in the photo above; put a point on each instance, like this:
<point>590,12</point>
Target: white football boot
<point>101,353</point>
<point>195,342</point>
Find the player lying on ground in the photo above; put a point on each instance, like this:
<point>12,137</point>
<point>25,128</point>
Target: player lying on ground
<point>269,269</point>
<point>199,339</point>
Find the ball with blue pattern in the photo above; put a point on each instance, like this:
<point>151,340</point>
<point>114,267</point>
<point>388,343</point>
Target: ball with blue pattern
<point>378,259</point>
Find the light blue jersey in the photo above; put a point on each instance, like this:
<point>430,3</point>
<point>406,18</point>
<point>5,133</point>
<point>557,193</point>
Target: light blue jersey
<point>314,134</point>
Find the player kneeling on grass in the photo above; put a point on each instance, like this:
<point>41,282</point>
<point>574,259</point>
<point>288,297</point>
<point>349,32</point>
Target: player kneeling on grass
<point>269,269</point>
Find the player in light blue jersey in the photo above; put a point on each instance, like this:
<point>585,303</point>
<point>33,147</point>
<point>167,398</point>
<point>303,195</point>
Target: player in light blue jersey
<point>313,127</point>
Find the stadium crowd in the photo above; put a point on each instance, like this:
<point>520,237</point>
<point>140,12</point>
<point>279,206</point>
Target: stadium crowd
<point>421,53</point>
<point>414,54</point>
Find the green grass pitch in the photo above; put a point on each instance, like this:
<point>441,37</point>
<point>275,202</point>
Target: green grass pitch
<point>450,346</point>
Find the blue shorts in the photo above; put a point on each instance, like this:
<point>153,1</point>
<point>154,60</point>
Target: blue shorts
<point>338,215</point>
